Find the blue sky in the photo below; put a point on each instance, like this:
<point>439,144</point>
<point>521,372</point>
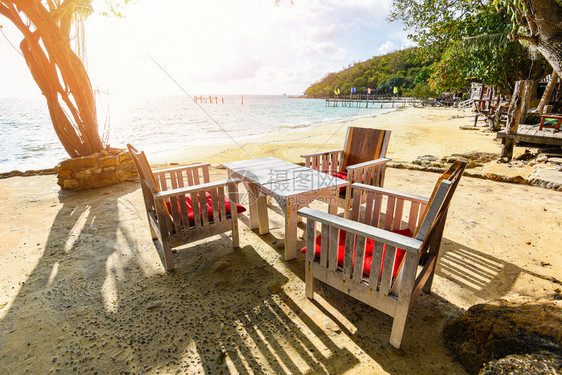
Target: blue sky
<point>219,47</point>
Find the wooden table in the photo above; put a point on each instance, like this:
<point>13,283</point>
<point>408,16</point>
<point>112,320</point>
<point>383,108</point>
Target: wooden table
<point>292,186</point>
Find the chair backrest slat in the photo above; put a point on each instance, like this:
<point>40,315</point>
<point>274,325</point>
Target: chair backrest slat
<point>324,245</point>
<point>334,246</point>
<point>362,144</point>
<point>196,209</point>
<point>453,174</point>
<point>215,205</point>
<point>145,173</point>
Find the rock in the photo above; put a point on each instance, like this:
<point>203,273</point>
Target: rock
<point>555,160</point>
<point>426,160</point>
<point>154,304</point>
<point>70,184</point>
<point>98,170</point>
<point>78,163</point>
<point>528,364</point>
<point>332,328</point>
<point>524,156</point>
<point>541,159</point>
<point>504,327</point>
<point>482,157</point>
<point>222,266</point>
<point>547,178</point>
<point>275,288</point>
<point>107,161</point>
<point>65,173</point>
<point>83,174</point>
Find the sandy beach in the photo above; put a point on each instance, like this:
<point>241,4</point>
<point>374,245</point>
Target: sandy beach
<point>414,132</point>
<point>83,288</point>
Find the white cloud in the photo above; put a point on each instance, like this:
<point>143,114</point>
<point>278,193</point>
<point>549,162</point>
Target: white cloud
<point>247,46</point>
<point>386,47</point>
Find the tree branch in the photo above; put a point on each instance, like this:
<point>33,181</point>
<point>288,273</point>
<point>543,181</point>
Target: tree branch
<point>5,11</point>
<point>534,40</point>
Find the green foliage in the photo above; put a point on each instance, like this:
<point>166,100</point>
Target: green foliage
<point>500,66</point>
<point>113,7</point>
<point>421,90</point>
<point>423,76</point>
<point>396,69</point>
<point>471,37</point>
<point>387,87</point>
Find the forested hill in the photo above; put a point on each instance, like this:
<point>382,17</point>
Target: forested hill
<point>402,69</point>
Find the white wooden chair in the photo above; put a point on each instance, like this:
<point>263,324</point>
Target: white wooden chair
<point>362,159</point>
<point>390,279</point>
<point>183,206</point>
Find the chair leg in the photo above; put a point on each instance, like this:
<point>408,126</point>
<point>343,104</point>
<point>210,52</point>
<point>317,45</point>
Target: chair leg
<point>398,326</point>
<point>153,232</point>
<point>168,257</point>
<point>235,233</point>
<point>427,287</point>
<point>309,281</point>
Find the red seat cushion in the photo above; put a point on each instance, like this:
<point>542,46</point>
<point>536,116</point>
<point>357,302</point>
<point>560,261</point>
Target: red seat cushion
<point>343,176</point>
<point>368,252</point>
<point>239,208</point>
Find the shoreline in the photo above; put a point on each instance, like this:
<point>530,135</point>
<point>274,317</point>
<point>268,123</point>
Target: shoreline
<point>416,132</point>
<point>217,133</point>
<point>330,136</point>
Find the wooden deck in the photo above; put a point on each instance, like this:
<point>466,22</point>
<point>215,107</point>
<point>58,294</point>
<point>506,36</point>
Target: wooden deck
<point>532,134</point>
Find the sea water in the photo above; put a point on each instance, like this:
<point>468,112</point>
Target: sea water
<point>160,125</point>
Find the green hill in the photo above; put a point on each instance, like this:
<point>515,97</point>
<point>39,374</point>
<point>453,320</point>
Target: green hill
<point>402,69</point>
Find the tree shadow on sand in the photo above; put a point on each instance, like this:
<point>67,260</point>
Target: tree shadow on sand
<point>99,301</point>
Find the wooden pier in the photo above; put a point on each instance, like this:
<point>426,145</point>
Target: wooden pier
<point>207,99</point>
<point>366,102</point>
<point>532,134</point>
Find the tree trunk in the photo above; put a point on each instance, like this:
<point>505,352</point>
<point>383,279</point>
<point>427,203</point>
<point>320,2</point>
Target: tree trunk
<point>526,100</point>
<point>548,92</point>
<point>513,117</point>
<point>58,71</point>
<point>546,16</point>
<point>494,123</point>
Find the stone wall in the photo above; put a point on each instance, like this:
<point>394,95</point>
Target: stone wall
<point>109,167</point>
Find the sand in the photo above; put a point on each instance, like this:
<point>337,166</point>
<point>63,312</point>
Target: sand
<point>415,132</point>
<point>83,288</point>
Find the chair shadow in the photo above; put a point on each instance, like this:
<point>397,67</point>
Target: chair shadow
<point>483,275</point>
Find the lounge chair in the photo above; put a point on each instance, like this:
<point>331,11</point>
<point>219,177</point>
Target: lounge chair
<point>362,159</point>
<point>174,199</point>
<point>550,121</point>
<point>388,279</point>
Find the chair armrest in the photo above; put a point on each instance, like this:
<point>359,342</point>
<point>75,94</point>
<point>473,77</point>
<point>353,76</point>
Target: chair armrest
<point>364,230</point>
<point>195,188</point>
<point>391,193</point>
<point>366,164</point>
<point>182,168</point>
<point>320,153</point>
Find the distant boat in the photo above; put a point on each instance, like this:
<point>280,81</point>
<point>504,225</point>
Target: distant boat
<point>284,94</point>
